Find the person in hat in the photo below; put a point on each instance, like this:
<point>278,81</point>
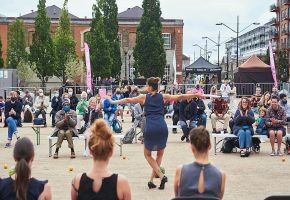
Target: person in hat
<point>65,123</point>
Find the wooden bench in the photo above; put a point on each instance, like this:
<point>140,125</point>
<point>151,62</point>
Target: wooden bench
<point>35,128</point>
<point>223,136</point>
<point>118,138</point>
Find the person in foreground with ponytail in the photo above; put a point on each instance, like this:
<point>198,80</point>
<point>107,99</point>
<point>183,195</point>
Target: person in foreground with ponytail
<point>21,186</point>
<point>200,178</point>
<point>155,131</point>
<point>100,183</point>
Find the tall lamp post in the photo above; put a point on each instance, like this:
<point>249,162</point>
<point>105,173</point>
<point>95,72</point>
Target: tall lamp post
<point>205,50</point>
<point>237,32</point>
<point>125,53</point>
<point>217,44</point>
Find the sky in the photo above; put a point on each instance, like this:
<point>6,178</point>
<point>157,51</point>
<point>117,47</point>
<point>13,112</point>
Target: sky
<point>199,16</point>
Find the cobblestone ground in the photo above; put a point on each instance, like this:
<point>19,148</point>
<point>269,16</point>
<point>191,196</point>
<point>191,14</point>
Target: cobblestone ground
<point>251,178</point>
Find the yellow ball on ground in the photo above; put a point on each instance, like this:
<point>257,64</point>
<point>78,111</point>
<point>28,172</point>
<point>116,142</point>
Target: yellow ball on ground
<point>5,166</point>
<point>70,168</point>
<point>124,157</point>
<point>283,159</point>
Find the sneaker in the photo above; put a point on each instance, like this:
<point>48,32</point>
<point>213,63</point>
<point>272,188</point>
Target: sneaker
<point>72,155</point>
<point>225,131</point>
<point>273,153</point>
<point>182,137</point>
<point>55,156</point>
<point>279,153</point>
<point>7,145</point>
<point>214,130</point>
<point>85,153</point>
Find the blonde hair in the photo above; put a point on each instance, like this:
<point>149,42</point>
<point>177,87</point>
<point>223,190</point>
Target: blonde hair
<point>101,142</point>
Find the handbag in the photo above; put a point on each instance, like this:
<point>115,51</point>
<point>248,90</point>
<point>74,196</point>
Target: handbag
<point>38,121</point>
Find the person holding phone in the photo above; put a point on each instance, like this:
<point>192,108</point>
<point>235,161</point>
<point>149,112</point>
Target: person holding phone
<point>65,123</point>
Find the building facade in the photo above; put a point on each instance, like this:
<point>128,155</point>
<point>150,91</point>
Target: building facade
<point>128,22</point>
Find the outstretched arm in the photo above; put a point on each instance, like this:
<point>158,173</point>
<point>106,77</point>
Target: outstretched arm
<point>139,99</point>
<point>168,97</point>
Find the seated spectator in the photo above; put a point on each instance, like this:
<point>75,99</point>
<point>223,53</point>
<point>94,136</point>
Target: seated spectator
<point>219,112</point>
<point>2,107</point>
<point>213,91</point>
<point>198,89</point>
<point>284,104</point>
<point>243,120</point>
<point>93,113</point>
<point>175,117</point>
<point>255,99</point>
<point>41,104</point>
<point>100,182</point>
<point>89,93</point>
<point>73,99</point>
<point>276,118</point>
<point>187,112</point>
<point>134,93</point>
<point>120,108</point>
<point>200,178</point>
<point>109,110</point>
<point>56,105</point>
<point>261,122</point>
<point>65,122</point>
<point>27,107</point>
<point>82,108</point>
<point>19,97</point>
<point>21,185</point>
<point>200,115</point>
<point>265,100</point>
<point>12,117</point>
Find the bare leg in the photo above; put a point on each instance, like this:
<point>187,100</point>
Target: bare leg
<point>158,160</point>
<point>272,139</point>
<point>154,165</point>
<point>279,138</point>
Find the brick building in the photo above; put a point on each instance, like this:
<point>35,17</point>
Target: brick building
<point>128,23</point>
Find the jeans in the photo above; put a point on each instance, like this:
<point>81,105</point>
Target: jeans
<point>203,118</point>
<point>245,138</point>
<point>12,127</point>
<point>186,129</point>
<point>209,105</point>
<point>109,117</point>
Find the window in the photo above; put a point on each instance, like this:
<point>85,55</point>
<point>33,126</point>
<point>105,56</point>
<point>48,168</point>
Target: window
<point>167,40</point>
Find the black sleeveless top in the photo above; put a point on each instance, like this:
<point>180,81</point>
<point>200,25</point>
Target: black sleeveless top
<point>35,188</point>
<point>108,190</point>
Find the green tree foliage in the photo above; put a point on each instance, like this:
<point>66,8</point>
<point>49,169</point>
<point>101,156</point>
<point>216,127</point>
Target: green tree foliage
<point>16,44</point>
<point>282,65</point>
<point>72,68</point>
<point>266,58</point>
<point>1,59</point>
<point>110,13</point>
<point>42,55</point>
<point>24,72</point>
<point>149,54</point>
<point>101,61</point>
<point>64,44</point>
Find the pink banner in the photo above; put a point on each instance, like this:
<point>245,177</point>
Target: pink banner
<point>88,64</point>
<point>103,92</point>
<point>272,62</point>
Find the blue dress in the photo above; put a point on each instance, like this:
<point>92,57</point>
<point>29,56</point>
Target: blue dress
<point>156,131</point>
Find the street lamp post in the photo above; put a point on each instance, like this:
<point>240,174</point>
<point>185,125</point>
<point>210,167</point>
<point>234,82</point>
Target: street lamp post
<point>125,53</point>
<point>205,50</point>
<point>237,32</point>
<point>217,44</point>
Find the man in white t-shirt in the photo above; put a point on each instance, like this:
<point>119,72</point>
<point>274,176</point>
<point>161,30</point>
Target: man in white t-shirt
<point>225,90</point>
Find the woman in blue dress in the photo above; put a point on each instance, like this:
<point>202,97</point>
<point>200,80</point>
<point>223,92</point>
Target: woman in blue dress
<point>156,131</point>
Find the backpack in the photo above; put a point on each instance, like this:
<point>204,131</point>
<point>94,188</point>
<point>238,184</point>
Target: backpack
<point>228,145</point>
<point>129,136</point>
<point>38,121</point>
<point>117,126</point>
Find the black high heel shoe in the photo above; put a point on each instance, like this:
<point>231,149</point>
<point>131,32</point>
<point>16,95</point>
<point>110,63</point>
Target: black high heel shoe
<point>151,185</point>
<point>162,184</point>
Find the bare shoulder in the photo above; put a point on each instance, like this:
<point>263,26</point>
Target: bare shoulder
<point>122,179</point>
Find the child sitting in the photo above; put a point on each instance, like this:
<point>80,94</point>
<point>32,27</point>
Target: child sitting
<point>261,122</point>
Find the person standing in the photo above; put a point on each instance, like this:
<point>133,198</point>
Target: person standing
<point>82,108</point>
<point>21,185</point>
<point>56,105</point>
<point>155,131</point>
<point>225,90</point>
<point>12,117</point>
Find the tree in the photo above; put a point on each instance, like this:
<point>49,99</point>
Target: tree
<point>72,68</point>
<point>282,65</point>
<point>42,50</point>
<point>110,13</point>
<point>16,44</point>
<point>266,58</point>
<point>149,54</point>
<point>24,72</point>
<point>64,44</point>
<point>101,61</point>
<point>1,59</point>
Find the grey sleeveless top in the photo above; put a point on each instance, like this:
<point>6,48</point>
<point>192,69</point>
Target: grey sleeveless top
<point>189,181</point>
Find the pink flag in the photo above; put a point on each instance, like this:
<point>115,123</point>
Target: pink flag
<point>88,64</point>
<point>272,62</point>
